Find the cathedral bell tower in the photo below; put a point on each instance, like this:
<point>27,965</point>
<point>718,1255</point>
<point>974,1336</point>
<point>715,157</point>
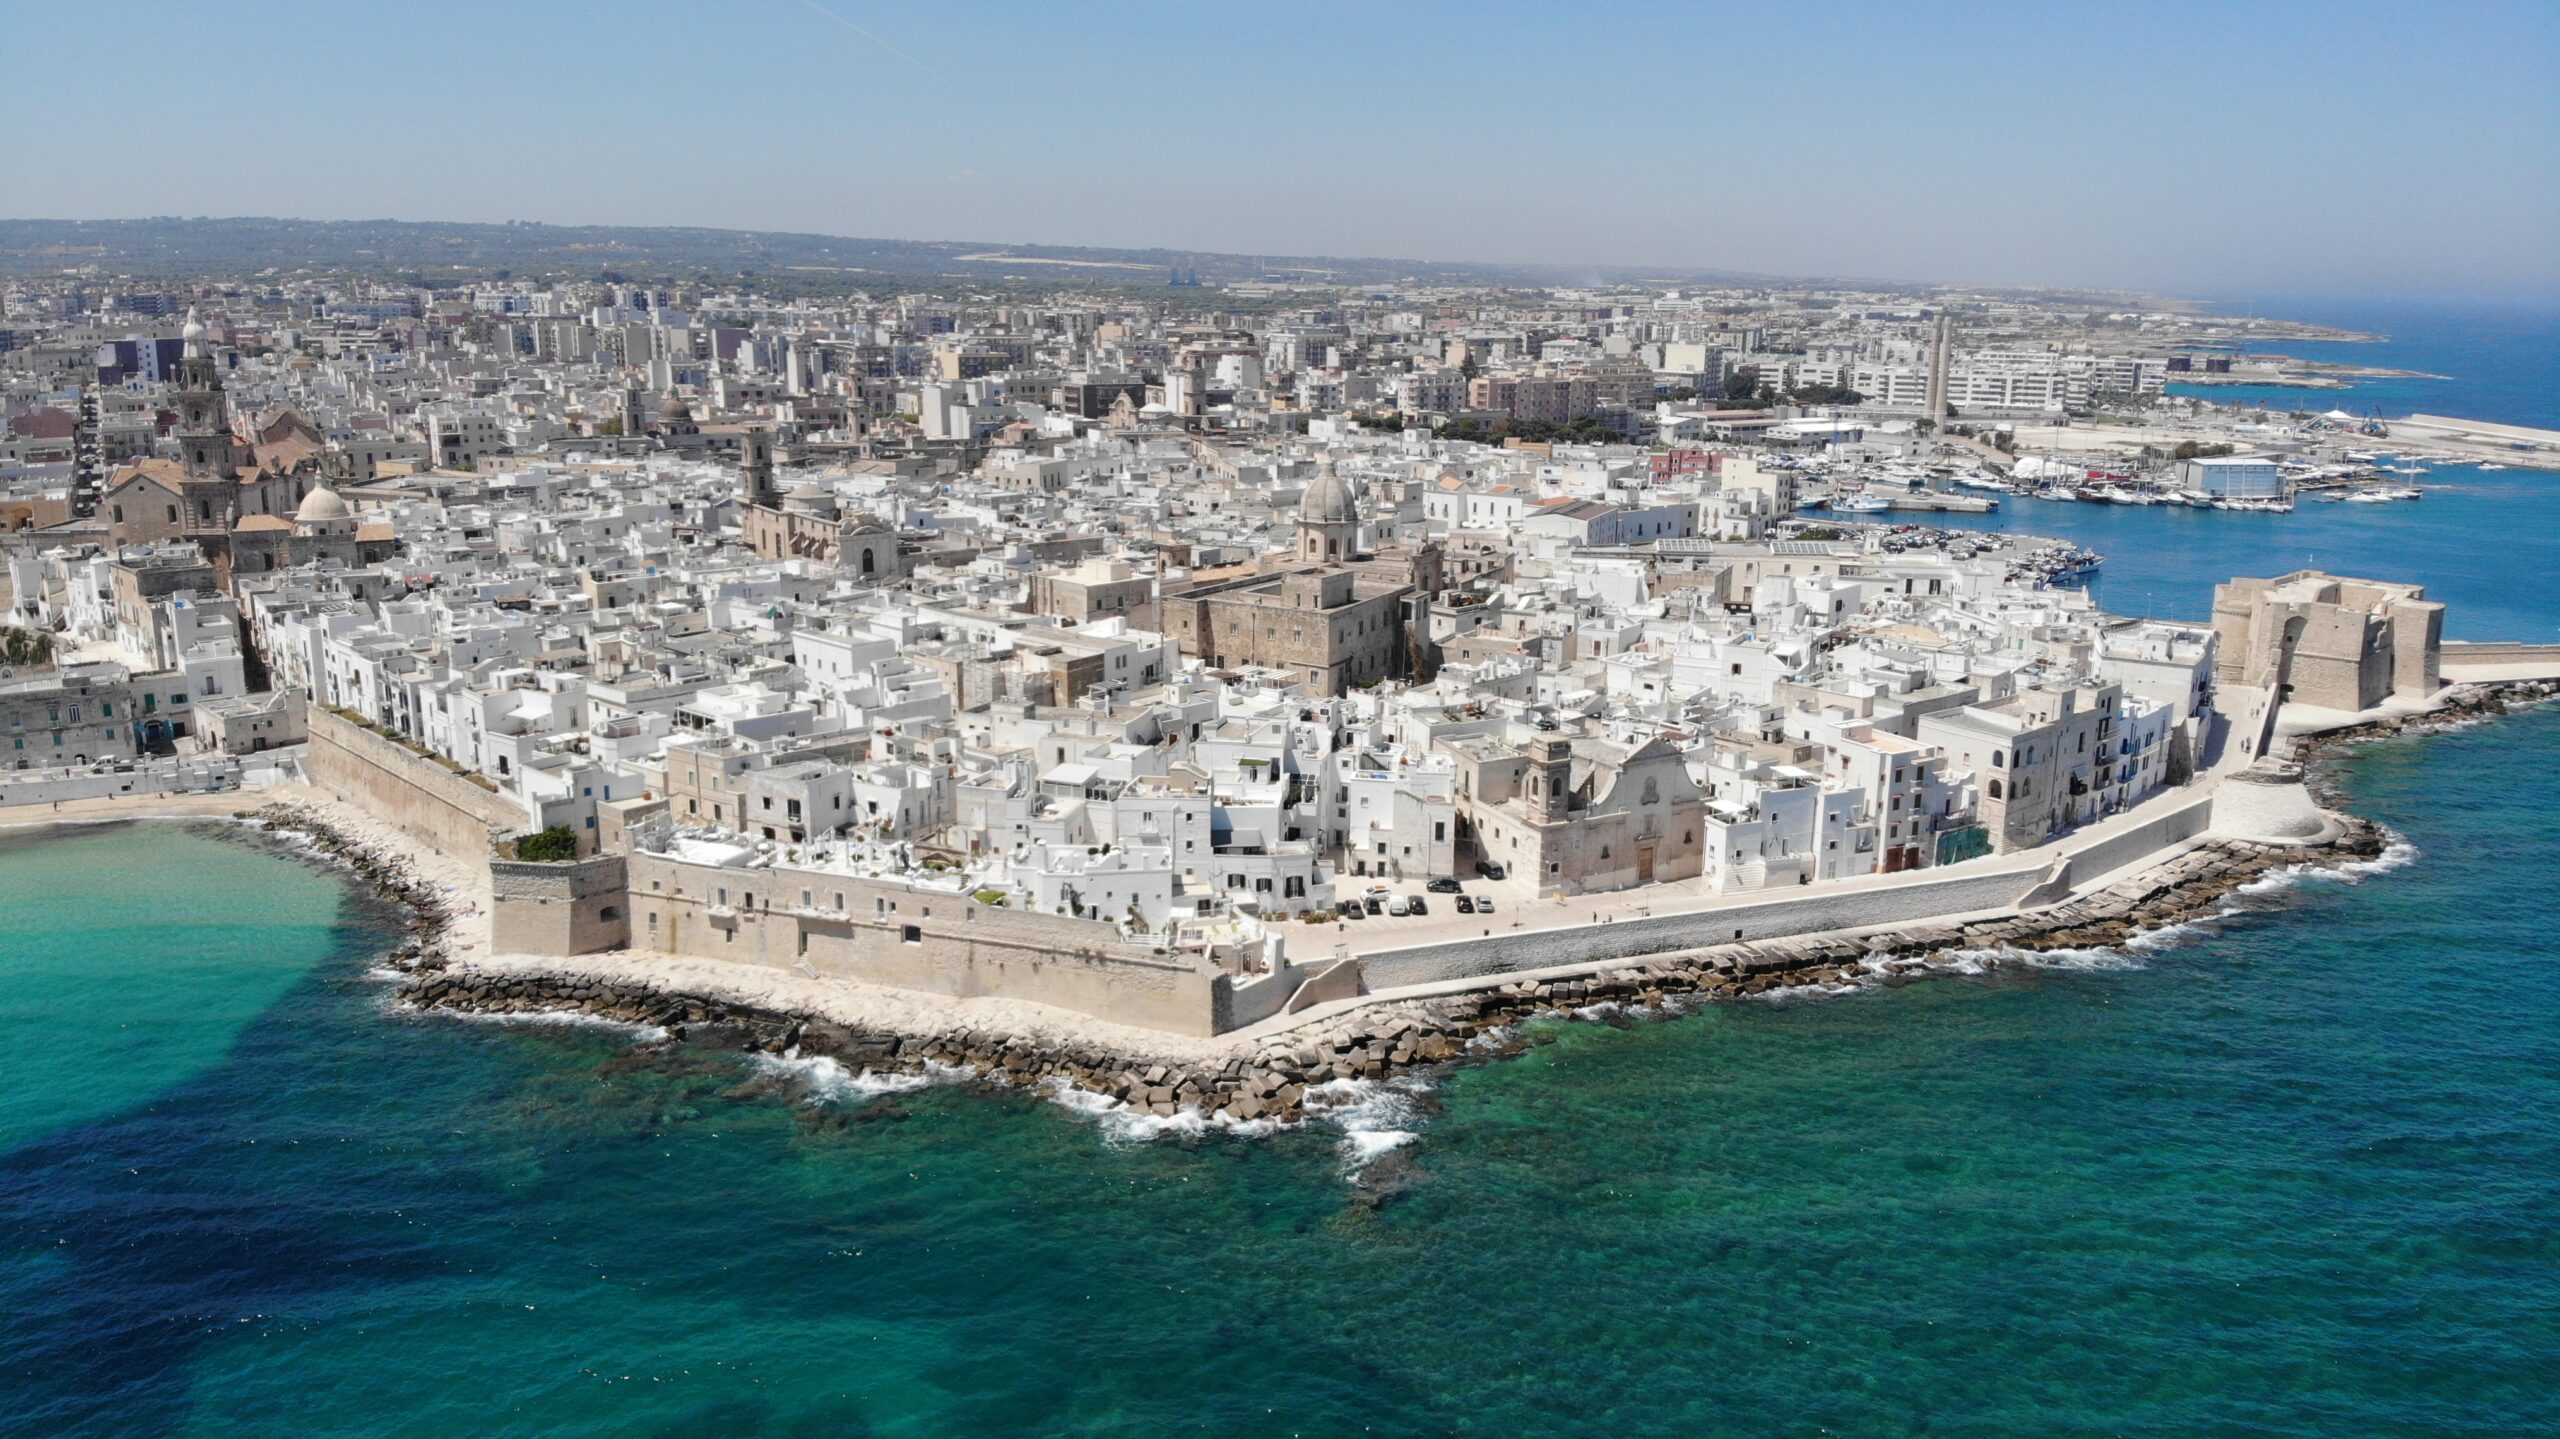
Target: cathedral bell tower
<point>755,470</point>
<point>204,418</point>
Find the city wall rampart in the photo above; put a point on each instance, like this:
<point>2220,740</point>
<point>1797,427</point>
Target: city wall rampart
<point>1994,887</point>
<point>577,907</point>
<point>938,941</point>
<point>2497,652</point>
<point>420,797</point>
<point>2034,877</point>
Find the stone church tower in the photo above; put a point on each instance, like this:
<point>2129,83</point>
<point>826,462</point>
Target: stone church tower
<point>755,469</point>
<point>204,418</point>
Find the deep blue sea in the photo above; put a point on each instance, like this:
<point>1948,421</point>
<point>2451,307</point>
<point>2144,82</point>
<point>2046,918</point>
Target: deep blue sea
<point>2294,1172</point>
<point>2500,362</point>
<point>2486,542</point>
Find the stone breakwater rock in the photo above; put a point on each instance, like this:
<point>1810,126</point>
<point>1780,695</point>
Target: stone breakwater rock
<point>388,872</point>
<point>1236,1086</point>
<point>2465,706</point>
<point>1272,1081</point>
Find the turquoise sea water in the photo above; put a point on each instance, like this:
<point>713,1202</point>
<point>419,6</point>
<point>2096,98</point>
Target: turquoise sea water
<point>2296,1175</point>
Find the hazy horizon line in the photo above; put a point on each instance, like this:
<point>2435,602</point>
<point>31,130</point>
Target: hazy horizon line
<point>2541,298</point>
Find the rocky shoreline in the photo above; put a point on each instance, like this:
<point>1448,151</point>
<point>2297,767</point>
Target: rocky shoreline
<point>2465,706</point>
<point>1378,1041</point>
<point>385,869</point>
<point>1273,1082</point>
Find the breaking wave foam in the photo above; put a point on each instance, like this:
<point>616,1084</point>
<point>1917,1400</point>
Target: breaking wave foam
<point>556,1019</point>
<point>2397,853</point>
<point>1374,1116</point>
<point>1120,1124</point>
<point>829,1081</point>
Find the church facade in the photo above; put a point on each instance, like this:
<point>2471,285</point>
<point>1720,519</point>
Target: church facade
<point>808,523</point>
<point>249,503</point>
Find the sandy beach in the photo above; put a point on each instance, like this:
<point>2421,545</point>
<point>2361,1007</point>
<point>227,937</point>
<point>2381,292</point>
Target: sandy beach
<point>870,1007</point>
<point>145,806</point>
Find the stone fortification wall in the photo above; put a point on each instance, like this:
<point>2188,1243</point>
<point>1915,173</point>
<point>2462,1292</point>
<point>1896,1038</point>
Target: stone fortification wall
<point>1995,886</point>
<point>2032,877</point>
<point>2499,652</point>
<point>1273,1078</point>
<point>579,907</point>
<point>937,941</point>
<point>2174,826</point>
<point>426,801</point>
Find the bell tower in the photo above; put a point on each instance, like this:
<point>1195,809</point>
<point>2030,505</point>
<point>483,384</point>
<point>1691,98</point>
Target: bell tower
<point>1549,781</point>
<point>204,417</point>
<point>755,469</point>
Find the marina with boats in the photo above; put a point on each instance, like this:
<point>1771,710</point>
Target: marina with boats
<point>2205,476</point>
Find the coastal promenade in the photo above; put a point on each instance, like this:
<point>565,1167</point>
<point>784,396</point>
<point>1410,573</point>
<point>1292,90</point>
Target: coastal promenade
<point>2234,797</point>
<point>2494,663</point>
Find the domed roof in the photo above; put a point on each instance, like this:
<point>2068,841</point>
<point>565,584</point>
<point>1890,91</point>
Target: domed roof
<point>321,504</point>
<point>1329,501</point>
<point>676,409</point>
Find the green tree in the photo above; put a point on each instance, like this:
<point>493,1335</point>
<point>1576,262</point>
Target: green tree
<point>25,647</point>
<point>556,845</point>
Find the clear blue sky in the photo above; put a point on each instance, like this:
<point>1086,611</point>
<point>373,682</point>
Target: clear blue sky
<point>2224,149</point>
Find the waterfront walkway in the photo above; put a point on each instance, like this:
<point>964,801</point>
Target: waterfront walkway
<point>1523,912</point>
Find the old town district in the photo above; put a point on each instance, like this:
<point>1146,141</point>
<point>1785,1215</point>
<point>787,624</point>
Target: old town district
<point>709,654</point>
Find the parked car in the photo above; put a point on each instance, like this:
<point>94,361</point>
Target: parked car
<point>1442,886</point>
<point>1396,905</point>
<point>1466,905</point>
<point>1484,904</point>
<point>1490,869</point>
<point>1418,905</point>
<point>1370,903</point>
<point>1349,909</point>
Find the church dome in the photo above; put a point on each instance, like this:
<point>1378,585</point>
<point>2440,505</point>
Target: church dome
<point>1329,501</point>
<point>319,505</point>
